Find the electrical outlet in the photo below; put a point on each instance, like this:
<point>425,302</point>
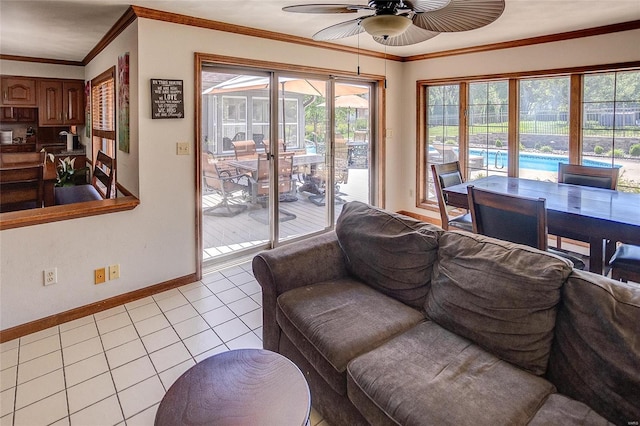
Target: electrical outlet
<point>182,148</point>
<point>100,275</point>
<point>114,271</point>
<point>50,276</point>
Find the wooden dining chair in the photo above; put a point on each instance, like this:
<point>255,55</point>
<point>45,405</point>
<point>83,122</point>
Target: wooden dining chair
<point>445,175</point>
<point>517,219</point>
<point>102,184</point>
<point>597,177</point>
<point>21,180</point>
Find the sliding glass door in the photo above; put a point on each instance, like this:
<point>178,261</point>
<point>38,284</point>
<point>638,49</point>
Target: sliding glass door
<point>280,154</point>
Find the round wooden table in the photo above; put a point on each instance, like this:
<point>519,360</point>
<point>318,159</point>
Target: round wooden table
<point>239,387</point>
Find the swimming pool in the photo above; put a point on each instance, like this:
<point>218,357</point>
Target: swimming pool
<point>543,162</point>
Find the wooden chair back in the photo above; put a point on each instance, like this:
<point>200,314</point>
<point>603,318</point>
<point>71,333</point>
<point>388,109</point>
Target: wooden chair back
<point>244,150</point>
<point>507,217</point>
<point>445,175</point>
<point>103,175</point>
<point>597,177</point>
<point>285,174</point>
<point>282,147</point>
<point>21,180</point>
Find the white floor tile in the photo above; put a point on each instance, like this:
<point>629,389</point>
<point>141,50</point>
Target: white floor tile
<point>245,341</point>
<point>11,344</point>
<point>166,294</point>
<point>258,332</point>
<point>169,376</point>
<point>39,348</point>
<point>206,304</point>
<point>133,372</point>
<point>253,319</point>
<point>250,288</point>
<point>190,287</point>
<point>119,337</point>
<point>39,366</point>
<point>70,325</point>
<point>218,316</point>
<point>139,397</point>
<point>212,277</point>
<point>146,418</point>
<point>181,313</point>
<point>62,422</point>
<point>241,278</point>
<point>190,327</point>
<point>172,302</point>
<point>202,342</point>
<point>113,322</point>
<point>105,413</point>
<point>168,357</point>
<point>257,298</point>
<point>125,353</point>
<point>7,420</point>
<point>52,331</point>
<point>231,329</point>
<point>160,339</point>
<point>151,325</point>
<point>143,312</point>
<point>230,295</point>
<point>109,312</point>
<point>79,334</point>
<point>9,358</point>
<point>139,302</point>
<point>43,412</point>
<point>242,306</point>
<point>220,286</point>
<point>197,293</point>
<point>39,388</point>
<point>80,351</point>
<point>7,399</point>
<point>89,392</point>
<point>211,352</point>
<point>8,378</point>
<point>232,271</point>
<point>85,369</point>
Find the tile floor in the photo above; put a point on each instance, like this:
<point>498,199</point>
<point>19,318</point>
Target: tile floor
<point>114,367</point>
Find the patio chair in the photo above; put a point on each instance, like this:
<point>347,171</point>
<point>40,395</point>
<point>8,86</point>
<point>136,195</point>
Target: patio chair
<point>597,177</point>
<point>445,175</point>
<point>520,220</point>
<point>262,182</point>
<point>245,150</point>
<point>224,179</point>
<point>341,175</point>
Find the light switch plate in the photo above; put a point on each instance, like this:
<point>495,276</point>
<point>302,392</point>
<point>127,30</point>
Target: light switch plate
<point>182,148</point>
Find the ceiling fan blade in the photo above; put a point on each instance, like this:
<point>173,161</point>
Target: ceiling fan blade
<point>460,15</point>
<point>341,30</point>
<point>412,35</point>
<point>426,5</point>
<point>325,8</point>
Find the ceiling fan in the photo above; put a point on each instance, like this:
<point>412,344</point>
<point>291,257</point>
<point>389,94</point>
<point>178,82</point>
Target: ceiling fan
<point>405,22</point>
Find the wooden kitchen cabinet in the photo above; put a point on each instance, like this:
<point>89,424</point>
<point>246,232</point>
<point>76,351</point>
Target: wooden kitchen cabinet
<point>18,91</point>
<point>12,114</point>
<point>60,103</point>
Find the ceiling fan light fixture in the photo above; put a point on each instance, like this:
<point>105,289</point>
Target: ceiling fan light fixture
<point>386,25</point>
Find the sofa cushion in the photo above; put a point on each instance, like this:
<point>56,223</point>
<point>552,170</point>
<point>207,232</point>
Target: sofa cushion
<point>596,353</point>
<point>333,322</point>
<point>390,252</point>
<point>560,410</point>
<point>500,295</point>
<point>431,376</point>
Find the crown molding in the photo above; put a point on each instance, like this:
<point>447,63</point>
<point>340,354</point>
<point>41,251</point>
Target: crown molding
<point>125,20</point>
<point>40,60</point>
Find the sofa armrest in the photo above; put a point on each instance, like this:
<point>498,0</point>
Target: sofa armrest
<point>294,265</point>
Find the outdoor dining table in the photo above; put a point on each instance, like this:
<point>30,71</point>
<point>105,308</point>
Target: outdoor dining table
<point>581,212</point>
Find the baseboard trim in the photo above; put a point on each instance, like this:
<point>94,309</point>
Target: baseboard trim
<point>82,311</point>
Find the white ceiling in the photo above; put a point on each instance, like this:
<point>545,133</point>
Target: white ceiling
<point>69,29</point>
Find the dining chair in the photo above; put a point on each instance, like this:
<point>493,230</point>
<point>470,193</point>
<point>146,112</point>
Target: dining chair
<point>102,184</point>
<point>625,263</point>
<point>445,175</point>
<point>21,180</point>
<point>597,177</point>
<point>520,220</point>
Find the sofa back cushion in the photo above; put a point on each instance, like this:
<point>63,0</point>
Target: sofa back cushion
<point>390,252</point>
<point>500,295</point>
<point>595,356</point>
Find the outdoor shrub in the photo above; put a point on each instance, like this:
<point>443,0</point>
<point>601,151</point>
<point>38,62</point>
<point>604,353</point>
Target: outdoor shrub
<point>498,143</point>
<point>546,148</point>
<point>598,149</point>
<point>635,150</point>
<point>617,153</point>
<point>537,146</point>
<point>450,142</point>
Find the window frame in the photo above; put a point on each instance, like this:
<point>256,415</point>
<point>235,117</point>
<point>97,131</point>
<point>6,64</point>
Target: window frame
<point>575,75</point>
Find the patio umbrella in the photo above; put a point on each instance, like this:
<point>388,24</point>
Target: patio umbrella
<point>288,84</point>
<point>350,101</point>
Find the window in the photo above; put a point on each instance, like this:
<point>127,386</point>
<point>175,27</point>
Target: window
<point>103,129</point>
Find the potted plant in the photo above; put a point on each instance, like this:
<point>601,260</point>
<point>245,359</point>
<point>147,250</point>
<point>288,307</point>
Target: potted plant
<point>67,174</point>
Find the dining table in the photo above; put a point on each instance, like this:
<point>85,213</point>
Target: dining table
<point>584,213</point>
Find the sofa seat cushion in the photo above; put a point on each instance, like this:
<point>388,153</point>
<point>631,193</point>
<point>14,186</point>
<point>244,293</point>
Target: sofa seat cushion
<point>500,295</point>
<point>561,410</point>
<point>390,252</point>
<point>596,353</point>
<point>431,376</point>
<point>333,322</point>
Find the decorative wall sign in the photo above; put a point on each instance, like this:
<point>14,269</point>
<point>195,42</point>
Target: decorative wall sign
<point>166,98</point>
<point>123,102</point>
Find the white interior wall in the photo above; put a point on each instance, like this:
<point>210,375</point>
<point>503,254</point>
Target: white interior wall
<point>605,49</point>
<point>155,242</point>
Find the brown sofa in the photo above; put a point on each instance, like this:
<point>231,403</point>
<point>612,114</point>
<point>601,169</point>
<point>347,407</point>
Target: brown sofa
<point>395,321</point>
